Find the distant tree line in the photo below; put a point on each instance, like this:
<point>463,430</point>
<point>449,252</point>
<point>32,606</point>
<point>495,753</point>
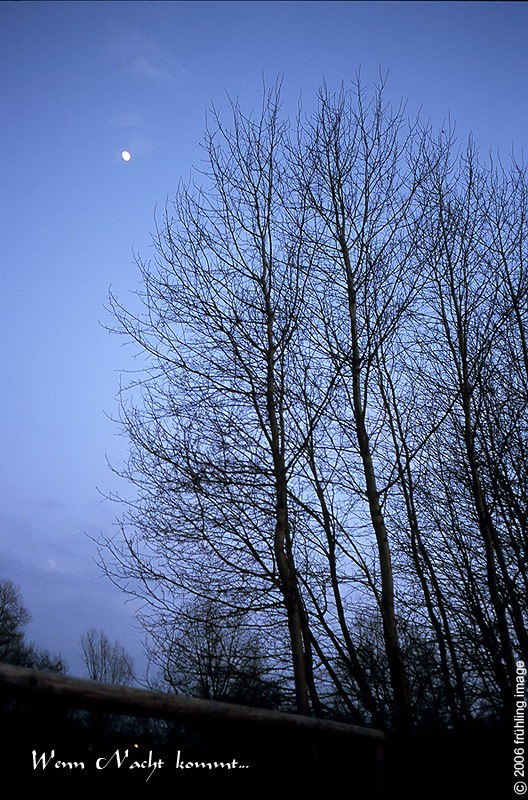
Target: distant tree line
<point>103,660</point>
<point>329,437</point>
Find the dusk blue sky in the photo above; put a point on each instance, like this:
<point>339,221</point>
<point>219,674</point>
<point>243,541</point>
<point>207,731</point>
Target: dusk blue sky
<point>81,82</point>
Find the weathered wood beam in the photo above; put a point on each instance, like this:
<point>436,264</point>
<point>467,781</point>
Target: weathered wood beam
<point>31,684</point>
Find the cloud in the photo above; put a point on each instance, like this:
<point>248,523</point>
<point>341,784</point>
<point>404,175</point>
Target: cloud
<point>145,57</point>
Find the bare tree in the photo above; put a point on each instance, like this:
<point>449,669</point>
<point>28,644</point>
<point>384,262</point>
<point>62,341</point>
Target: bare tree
<point>359,165</point>
<point>14,648</point>
<point>13,617</point>
<point>202,653</point>
<point>104,661</point>
<point>225,306</point>
<point>328,437</point>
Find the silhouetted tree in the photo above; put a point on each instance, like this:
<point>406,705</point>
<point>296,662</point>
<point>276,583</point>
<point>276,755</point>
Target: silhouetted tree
<point>13,617</point>
<point>13,647</point>
<point>331,423</point>
<point>204,653</point>
<point>224,327</point>
<point>104,661</point>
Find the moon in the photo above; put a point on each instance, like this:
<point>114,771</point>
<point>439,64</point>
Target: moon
<point>125,155</point>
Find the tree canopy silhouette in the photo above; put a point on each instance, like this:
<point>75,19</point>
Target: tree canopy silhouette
<point>328,438</point>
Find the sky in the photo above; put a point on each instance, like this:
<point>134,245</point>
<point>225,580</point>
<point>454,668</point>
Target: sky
<point>83,81</point>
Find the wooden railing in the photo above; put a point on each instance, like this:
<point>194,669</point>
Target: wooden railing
<point>34,684</point>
